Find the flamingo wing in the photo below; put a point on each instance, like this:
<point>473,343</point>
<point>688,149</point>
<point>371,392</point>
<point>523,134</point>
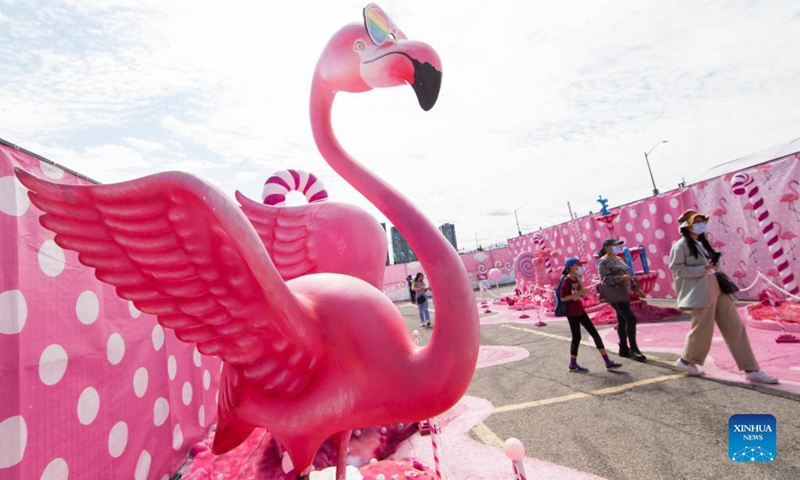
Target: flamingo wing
<point>179,249</point>
<point>285,234</point>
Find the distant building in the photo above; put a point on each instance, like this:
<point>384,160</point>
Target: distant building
<point>400,249</point>
<point>449,232</point>
<point>387,250</point>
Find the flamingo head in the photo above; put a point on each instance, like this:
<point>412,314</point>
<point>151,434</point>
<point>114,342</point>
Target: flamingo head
<point>353,62</point>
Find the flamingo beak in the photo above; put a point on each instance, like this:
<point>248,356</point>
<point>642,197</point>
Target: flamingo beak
<point>427,82</point>
<point>406,62</point>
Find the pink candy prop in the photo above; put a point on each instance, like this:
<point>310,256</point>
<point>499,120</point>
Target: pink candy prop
<point>495,274</point>
<point>280,183</point>
<point>742,184</point>
<point>435,431</point>
<point>306,358</point>
<point>523,265</point>
<point>539,242</point>
<point>515,451</point>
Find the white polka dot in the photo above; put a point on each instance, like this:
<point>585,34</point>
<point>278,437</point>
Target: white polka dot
<point>13,440</point>
<point>587,226</point>
<point>13,197</point>
<point>177,437</point>
<point>172,367</point>
<point>160,411</point>
<point>569,249</point>
<point>206,379</point>
<point>52,171</point>
<point>196,357</point>
<point>667,218</point>
<point>158,337</point>
<point>653,208</point>
<point>186,394</point>
<point>53,364</point>
<point>56,470</point>
<point>87,307</point>
<point>673,202</point>
<point>140,381</point>
<point>662,274</point>
<point>646,223</point>
<point>165,477</point>
<point>584,237</point>
<point>201,416</point>
<point>13,312</point>
<point>652,248</point>
<point>115,348</point>
<point>597,233</point>
<point>639,237</point>
<point>118,439</point>
<point>564,230</point>
<point>134,311</point>
<point>142,466</point>
<point>51,258</point>
<point>88,405</point>
<point>633,213</point>
<point>665,259</point>
<point>656,288</point>
<point>592,245</point>
<point>660,234</point>
<point>629,227</point>
<point>562,242</point>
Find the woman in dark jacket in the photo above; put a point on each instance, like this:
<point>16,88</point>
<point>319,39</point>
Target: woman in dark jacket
<point>616,273</point>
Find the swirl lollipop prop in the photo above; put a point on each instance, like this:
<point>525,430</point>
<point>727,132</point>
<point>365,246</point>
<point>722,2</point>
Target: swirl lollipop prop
<point>524,267</point>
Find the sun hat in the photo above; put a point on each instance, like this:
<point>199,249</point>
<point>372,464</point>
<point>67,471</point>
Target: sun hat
<point>688,218</point>
<point>609,242</point>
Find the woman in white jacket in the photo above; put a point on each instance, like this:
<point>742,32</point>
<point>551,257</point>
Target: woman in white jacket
<point>692,262</point>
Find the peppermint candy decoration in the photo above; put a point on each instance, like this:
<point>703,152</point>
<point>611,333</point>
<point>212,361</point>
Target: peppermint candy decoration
<point>280,183</point>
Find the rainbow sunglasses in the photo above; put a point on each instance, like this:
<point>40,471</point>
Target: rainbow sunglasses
<point>379,26</point>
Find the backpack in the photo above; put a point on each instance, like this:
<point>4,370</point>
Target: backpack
<point>559,306</point>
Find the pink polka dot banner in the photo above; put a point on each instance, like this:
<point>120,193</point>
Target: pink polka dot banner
<point>90,386</point>
<point>733,228</point>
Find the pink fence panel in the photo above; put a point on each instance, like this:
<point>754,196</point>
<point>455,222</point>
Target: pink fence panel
<point>91,387</point>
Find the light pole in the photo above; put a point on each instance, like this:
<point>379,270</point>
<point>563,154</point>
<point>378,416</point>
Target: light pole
<point>655,189</point>
<point>519,231</point>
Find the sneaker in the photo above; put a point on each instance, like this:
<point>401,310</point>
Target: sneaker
<point>612,365</point>
<point>689,368</point>
<point>578,369</point>
<point>428,324</point>
<point>760,377</point>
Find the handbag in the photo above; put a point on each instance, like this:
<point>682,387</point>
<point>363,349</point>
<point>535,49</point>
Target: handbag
<point>725,284</point>
<point>611,294</point>
<point>421,297</point>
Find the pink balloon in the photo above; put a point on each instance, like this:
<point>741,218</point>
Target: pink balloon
<point>495,274</point>
<point>313,356</point>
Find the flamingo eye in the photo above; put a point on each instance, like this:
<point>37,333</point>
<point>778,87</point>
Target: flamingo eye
<point>359,45</point>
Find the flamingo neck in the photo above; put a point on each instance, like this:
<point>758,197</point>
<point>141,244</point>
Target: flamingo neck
<point>453,348</point>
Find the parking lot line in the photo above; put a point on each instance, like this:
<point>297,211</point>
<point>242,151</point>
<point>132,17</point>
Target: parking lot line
<point>650,357</point>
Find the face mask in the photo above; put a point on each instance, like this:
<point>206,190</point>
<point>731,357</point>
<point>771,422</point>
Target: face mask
<point>616,249</point>
<point>699,228</point>
<point>580,270</point>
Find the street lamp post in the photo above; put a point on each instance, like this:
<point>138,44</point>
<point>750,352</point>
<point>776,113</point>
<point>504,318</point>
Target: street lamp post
<point>519,230</point>
<point>646,159</point>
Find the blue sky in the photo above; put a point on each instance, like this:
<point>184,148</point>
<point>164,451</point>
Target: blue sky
<point>541,103</point>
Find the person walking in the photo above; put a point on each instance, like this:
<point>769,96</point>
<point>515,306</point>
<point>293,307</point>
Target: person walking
<point>411,291</point>
<point>693,262</point>
<point>420,290</point>
<point>615,273</point>
<point>571,292</point>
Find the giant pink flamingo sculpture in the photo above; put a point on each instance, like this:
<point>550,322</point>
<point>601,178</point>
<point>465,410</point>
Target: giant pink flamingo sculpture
<point>307,358</point>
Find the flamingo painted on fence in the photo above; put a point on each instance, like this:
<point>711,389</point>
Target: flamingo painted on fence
<point>308,358</point>
<point>749,241</point>
<point>721,212</point>
<point>790,197</point>
<point>740,273</point>
<point>789,236</point>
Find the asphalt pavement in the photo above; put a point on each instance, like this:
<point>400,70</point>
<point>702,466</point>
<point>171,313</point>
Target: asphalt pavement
<point>644,421</point>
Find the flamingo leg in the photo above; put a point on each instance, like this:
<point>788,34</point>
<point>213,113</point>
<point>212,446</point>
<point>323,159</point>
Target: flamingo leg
<point>341,440</point>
